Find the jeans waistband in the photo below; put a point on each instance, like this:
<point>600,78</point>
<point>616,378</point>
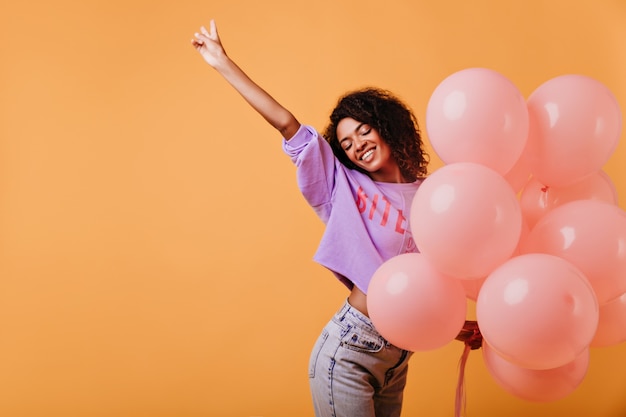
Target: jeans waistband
<point>355,319</point>
<point>349,313</point>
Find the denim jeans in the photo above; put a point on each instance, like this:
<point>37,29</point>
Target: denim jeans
<point>354,371</point>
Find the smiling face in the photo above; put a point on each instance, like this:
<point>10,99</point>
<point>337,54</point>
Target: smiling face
<point>367,150</point>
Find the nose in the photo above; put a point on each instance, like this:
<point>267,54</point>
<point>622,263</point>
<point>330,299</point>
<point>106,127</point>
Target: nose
<point>360,143</point>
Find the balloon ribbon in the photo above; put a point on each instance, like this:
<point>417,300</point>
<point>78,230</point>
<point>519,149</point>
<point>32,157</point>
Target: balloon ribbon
<point>470,335</point>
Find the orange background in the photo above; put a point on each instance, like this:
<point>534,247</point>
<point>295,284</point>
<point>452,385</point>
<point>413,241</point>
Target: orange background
<point>155,253</point>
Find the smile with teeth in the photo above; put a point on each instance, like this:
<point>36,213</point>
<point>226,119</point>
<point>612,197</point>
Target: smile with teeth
<point>367,155</point>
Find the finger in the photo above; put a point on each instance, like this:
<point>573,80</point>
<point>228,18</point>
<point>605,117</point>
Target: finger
<point>200,38</point>
<point>204,31</point>
<point>214,34</point>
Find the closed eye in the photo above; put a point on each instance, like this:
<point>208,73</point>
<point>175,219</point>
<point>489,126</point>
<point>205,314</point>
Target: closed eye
<point>366,131</point>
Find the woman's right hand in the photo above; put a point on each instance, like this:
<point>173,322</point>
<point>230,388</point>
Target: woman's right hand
<point>209,45</point>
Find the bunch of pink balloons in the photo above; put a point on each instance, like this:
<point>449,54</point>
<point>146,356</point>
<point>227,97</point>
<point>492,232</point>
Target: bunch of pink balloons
<point>522,220</point>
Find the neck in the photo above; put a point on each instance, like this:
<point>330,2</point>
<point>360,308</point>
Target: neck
<point>393,177</point>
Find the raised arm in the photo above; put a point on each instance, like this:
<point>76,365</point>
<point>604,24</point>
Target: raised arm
<point>211,49</point>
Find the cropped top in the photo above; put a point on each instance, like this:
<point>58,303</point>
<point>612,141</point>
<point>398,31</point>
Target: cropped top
<point>367,222</point>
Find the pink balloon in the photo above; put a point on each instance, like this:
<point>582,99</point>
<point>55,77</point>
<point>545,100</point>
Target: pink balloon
<point>538,385</point>
<point>537,311</point>
<point>575,124</point>
<point>519,174</point>
<point>537,199</point>
<point>478,115</point>
<point>414,306</point>
<point>525,233</point>
<point>466,219</point>
<point>612,323</point>
<point>590,234</point>
<point>472,287</point>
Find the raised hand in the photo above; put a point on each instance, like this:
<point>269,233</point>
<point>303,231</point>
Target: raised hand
<point>209,45</point>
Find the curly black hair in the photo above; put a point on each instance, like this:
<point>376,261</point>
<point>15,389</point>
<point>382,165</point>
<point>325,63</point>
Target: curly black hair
<point>393,120</point>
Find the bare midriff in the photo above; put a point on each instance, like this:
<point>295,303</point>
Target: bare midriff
<point>358,300</point>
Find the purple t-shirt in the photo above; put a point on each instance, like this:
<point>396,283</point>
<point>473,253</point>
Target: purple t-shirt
<point>366,221</point>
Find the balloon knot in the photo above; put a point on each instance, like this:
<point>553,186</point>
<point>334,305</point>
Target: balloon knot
<point>470,335</point>
<point>545,189</point>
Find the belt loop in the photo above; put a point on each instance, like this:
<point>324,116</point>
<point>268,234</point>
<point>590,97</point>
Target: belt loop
<point>341,314</point>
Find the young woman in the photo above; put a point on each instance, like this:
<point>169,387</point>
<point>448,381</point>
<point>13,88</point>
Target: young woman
<point>360,178</point>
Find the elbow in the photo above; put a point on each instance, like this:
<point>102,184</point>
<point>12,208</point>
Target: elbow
<point>288,127</point>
